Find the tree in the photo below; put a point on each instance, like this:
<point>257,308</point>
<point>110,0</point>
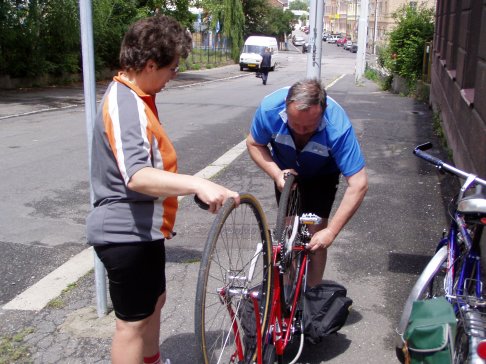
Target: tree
<point>256,15</point>
<point>299,5</point>
<point>111,19</point>
<point>233,23</point>
<point>178,9</point>
<point>404,53</point>
<point>281,22</point>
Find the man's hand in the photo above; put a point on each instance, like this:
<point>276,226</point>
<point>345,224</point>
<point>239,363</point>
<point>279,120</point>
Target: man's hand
<point>280,180</point>
<point>321,240</point>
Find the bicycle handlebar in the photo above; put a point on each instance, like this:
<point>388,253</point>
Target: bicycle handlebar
<point>201,204</point>
<point>419,151</point>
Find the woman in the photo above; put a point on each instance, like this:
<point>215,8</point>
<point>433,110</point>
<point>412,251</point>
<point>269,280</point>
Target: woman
<point>135,184</point>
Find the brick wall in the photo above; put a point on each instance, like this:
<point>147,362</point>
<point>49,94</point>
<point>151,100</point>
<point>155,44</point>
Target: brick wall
<point>458,79</point>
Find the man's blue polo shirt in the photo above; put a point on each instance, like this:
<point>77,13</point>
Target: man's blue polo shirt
<point>333,148</point>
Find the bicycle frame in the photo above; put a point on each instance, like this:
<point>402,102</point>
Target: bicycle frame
<point>280,326</point>
<point>471,266</point>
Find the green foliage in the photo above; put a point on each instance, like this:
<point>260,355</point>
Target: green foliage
<point>404,53</point>
<point>281,22</point>
<point>178,9</point>
<point>42,37</point>
<point>233,23</point>
<point>256,16</point>
<point>383,81</point>
<point>264,19</point>
<point>111,19</point>
<point>299,5</point>
<point>12,350</point>
<point>39,37</point>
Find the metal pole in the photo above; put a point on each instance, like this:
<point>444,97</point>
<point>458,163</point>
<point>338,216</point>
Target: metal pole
<point>90,113</point>
<point>362,35</point>
<point>315,39</point>
<point>375,28</point>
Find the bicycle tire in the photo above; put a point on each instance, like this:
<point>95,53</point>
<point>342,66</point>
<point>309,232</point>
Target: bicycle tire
<point>289,209</point>
<point>427,286</point>
<point>462,345</point>
<point>231,247</point>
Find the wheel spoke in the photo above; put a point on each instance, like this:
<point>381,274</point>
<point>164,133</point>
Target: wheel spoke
<point>236,260</point>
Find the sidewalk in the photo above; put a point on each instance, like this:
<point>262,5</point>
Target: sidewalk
<point>25,101</point>
<point>388,126</point>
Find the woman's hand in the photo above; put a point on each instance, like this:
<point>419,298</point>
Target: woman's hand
<point>215,195</point>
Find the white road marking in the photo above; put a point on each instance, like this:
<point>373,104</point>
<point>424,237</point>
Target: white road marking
<point>36,297</point>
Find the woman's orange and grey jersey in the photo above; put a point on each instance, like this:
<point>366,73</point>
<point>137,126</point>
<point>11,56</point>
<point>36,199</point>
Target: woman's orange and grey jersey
<point>127,137</point>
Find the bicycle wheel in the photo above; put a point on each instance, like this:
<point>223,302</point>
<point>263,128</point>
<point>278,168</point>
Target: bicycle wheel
<point>287,234</point>
<point>430,284</point>
<point>236,261</point>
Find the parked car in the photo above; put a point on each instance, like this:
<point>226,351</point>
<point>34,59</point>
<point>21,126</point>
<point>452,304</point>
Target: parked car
<point>341,41</point>
<point>347,45</point>
<point>298,40</point>
<point>354,48</point>
<point>332,38</point>
<point>324,36</point>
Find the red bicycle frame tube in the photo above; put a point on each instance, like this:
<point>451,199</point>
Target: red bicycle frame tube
<point>254,298</point>
<point>234,325</point>
<point>239,347</point>
<point>296,296</point>
<point>277,321</point>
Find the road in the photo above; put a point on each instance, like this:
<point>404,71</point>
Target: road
<point>45,200</point>
<point>43,169</point>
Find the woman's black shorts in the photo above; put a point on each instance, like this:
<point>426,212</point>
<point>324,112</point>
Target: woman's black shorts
<point>317,194</point>
<point>136,275</point>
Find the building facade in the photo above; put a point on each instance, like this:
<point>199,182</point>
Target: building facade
<point>458,80</point>
<point>342,16</point>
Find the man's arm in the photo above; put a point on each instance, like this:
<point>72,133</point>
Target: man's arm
<point>262,157</point>
<point>353,196</point>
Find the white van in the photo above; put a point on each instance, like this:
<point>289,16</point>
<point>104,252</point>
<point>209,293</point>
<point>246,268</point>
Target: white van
<point>254,47</point>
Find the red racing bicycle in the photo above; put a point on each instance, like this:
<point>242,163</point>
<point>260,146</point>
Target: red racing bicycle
<point>250,289</point>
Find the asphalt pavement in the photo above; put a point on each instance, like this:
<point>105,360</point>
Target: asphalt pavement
<point>404,197</point>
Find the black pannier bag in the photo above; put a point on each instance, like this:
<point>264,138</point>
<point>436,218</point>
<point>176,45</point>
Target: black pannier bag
<point>326,309</point>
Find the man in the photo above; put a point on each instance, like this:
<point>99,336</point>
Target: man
<point>265,65</point>
<point>311,136</point>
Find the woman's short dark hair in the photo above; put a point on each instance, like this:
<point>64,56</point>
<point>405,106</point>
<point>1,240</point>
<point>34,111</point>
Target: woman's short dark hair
<point>307,93</point>
<point>158,38</point>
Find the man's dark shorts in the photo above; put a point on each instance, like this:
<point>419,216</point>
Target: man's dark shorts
<point>136,275</point>
<point>317,194</point>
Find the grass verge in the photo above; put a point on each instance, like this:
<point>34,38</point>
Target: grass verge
<point>12,350</point>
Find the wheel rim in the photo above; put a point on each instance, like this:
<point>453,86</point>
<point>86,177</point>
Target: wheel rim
<point>288,238</point>
<point>239,244</point>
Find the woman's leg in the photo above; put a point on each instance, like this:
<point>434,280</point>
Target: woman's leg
<point>135,340</point>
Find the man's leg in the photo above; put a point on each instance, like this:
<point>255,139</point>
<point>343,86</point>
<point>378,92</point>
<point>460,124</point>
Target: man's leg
<point>317,263</point>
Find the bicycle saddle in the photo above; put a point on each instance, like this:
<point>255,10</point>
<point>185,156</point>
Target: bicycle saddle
<point>474,204</point>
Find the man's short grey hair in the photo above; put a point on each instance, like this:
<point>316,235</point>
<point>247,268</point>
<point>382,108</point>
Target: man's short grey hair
<point>307,93</point>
